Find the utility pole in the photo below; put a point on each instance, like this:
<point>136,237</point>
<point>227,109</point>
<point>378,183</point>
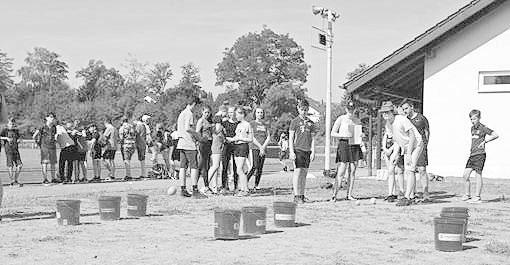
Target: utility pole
<point>330,16</point>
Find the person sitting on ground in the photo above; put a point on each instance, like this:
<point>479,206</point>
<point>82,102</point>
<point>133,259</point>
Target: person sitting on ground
<point>480,135</point>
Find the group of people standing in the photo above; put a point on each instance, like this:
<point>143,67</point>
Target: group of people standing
<point>77,140</point>
<point>216,141</point>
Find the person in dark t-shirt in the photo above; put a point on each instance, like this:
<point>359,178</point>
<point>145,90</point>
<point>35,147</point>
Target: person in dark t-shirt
<point>230,126</point>
<point>480,135</point>
<point>422,125</point>
<point>10,138</point>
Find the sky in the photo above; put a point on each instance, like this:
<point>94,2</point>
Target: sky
<point>183,31</point>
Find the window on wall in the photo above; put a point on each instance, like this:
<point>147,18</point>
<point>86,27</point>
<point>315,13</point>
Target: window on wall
<point>493,81</point>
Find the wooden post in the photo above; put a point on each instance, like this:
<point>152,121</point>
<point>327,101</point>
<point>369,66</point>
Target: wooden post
<point>369,151</point>
<point>379,141</point>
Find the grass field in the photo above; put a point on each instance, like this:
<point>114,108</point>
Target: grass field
<point>180,231</point>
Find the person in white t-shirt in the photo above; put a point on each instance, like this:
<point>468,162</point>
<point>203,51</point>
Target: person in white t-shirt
<point>411,143</point>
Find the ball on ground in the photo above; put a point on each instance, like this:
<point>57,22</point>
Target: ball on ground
<point>373,201</point>
<point>172,190</point>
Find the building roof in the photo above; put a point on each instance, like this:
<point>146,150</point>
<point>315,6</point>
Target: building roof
<point>420,45</point>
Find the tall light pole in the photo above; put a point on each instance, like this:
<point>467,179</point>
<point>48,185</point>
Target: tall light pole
<point>330,16</point>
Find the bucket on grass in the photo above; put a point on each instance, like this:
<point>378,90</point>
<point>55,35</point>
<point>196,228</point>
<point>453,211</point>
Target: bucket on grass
<point>457,213</point>
<point>136,204</point>
<point>448,233</point>
<point>284,214</point>
<point>109,208</point>
<point>226,224</point>
<point>68,212</point>
<point>254,220</point>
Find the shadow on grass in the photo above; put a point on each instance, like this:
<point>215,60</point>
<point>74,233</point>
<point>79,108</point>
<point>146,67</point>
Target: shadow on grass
<point>301,224</point>
<point>472,239</point>
<point>90,223</point>
<point>496,200</point>
<point>446,196</point>
<point>268,232</point>
<point>271,192</point>
<point>241,237</point>
<point>153,215</point>
<point>468,247</point>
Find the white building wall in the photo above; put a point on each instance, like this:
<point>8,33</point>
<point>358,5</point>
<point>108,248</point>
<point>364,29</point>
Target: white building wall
<point>451,91</point>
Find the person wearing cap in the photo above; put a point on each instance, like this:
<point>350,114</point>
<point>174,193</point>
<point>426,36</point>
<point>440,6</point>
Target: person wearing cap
<point>410,141</point>
<point>45,138</point>
<point>344,155</point>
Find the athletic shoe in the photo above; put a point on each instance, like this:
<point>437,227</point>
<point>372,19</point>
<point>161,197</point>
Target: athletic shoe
<point>476,199</point>
<point>305,199</point>
<point>223,191</point>
<point>403,202</point>
<point>128,178</point>
<point>285,169</point>
<point>465,198</point>
<point>297,200</point>
<point>243,193</point>
<point>350,198</point>
<point>197,195</point>
<point>185,193</point>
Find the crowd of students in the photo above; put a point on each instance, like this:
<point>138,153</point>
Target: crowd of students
<point>217,143</point>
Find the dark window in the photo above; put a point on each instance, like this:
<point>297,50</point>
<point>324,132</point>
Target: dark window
<point>496,80</point>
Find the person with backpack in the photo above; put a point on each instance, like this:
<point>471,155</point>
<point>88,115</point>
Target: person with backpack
<point>127,137</point>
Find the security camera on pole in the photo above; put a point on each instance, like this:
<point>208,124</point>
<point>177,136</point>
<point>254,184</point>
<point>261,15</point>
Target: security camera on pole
<point>331,16</point>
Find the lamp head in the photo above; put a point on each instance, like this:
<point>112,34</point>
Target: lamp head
<point>317,10</point>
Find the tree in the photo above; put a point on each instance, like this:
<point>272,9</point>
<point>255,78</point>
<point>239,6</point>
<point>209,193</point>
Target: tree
<point>158,77</point>
<point>43,70</point>
<point>137,71</point>
<point>5,71</point>
<point>362,67</point>
<point>99,81</point>
<point>258,61</point>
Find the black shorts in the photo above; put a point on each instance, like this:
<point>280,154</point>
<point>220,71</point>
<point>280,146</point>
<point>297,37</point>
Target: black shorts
<point>241,150</point>
<point>189,157</point>
<point>13,158</point>
<point>127,151</point>
<point>140,151</point>
<point>476,162</point>
<point>400,162</point>
<point>423,159</point>
<point>48,155</point>
<point>81,156</point>
<point>343,152</point>
<point>356,153</point>
<point>109,154</point>
<point>302,158</point>
<point>176,154</point>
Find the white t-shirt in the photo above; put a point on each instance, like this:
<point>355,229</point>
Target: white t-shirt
<point>184,123</point>
<point>62,137</point>
<point>342,123</point>
<point>400,131</point>
<point>243,130</point>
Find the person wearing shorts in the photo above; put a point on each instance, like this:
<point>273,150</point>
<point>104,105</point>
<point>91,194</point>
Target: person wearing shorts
<point>175,153</point>
<point>79,135</point>
<point>96,152</point>
<point>110,138</point>
<point>127,136</point>
<point>243,136</point>
<point>187,145</point>
<point>344,153</point>
<point>67,154</point>
<point>218,142</point>
<point>422,124</point>
<point>45,139</point>
<point>10,137</point>
<point>301,149</point>
<point>409,139</point>
<point>480,135</point>
<point>395,166</point>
